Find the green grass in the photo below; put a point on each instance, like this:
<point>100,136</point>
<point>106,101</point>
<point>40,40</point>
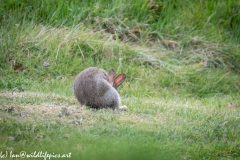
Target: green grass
<point>182,62</point>
<point>153,127</point>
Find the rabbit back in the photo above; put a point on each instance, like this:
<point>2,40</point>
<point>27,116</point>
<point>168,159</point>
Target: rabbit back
<point>92,88</point>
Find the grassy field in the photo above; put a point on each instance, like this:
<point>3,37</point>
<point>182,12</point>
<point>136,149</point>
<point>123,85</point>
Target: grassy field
<point>181,58</point>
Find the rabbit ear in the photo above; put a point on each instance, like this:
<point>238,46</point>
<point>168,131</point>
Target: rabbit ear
<point>111,76</point>
<point>119,80</point>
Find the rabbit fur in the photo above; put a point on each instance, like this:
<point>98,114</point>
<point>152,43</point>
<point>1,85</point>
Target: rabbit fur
<point>96,88</point>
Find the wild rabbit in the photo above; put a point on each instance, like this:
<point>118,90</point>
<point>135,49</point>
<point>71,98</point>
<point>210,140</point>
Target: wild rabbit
<point>96,88</point>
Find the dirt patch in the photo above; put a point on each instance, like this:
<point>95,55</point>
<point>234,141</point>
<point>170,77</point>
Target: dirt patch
<point>40,106</point>
<point>58,108</point>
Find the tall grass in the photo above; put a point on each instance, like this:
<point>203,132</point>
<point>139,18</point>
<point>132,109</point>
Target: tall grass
<point>185,22</point>
<point>56,39</point>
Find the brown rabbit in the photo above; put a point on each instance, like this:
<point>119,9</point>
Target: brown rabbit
<point>96,88</point>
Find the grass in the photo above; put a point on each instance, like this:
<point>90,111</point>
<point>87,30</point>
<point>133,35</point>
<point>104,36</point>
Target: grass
<point>182,88</point>
<point>152,128</point>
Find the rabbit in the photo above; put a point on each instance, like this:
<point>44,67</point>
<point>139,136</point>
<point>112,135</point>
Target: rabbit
<point>96,88</point>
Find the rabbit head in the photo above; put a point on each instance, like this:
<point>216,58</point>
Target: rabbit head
<point>96,88</point>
